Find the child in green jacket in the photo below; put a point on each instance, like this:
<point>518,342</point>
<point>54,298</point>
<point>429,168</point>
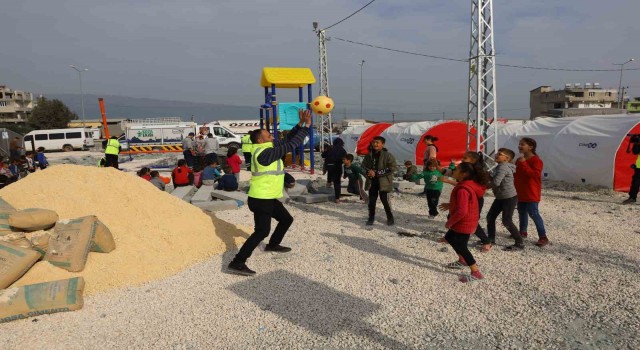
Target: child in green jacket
<point>432,186</point>
<point>353,172</point>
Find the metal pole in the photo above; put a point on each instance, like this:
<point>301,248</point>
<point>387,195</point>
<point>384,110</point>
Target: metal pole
<point>361,94</point>
<point>81,91</point>
<point>620,81</point>
<point>393,118</point>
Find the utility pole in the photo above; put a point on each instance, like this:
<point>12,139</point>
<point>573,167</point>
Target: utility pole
<point>80,70</point>
<point>393,118</point>
<point>620,82</point>
<point>361,66</point>
<point>442,116</point>
<point>326,124</point>
<point>482,101</point>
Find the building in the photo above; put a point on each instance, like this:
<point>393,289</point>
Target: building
<point>15,106</point>
<point>573,101</point>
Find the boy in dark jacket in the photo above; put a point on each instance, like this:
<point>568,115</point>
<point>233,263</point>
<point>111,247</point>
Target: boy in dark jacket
<point>354,172</point>
<point>333,161</point>
<point>380,166</point>
<point>228,182</point>
<point>41,159</point>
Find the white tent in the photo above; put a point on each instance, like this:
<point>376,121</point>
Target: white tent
<point>403,138</point>
<point>590,149</point>
<point>351,135</point>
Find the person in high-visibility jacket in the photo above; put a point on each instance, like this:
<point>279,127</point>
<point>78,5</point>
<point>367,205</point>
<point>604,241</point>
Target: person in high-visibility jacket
<point>267,185</point>
<point>246,150</point>
<point>634,145</point>
<point>111,151</point>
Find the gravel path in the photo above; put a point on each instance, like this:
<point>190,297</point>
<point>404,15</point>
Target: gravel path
<point>346,287</point>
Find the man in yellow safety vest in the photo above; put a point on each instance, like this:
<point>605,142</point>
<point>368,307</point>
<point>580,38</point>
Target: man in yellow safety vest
<point>267,185</point>
<point>634,147</point>
<point>246,150</point>
<point>111,151</point>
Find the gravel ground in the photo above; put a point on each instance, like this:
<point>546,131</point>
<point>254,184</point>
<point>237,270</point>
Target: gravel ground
<point>346,287</point>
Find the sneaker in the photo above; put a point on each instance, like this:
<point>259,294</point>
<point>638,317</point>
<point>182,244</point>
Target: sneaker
<point>456,265</point>
<point>629,201</point>
<point>276,248</point>
<point>542,242</point>
<point>513,248</point>
<point>240,269</point>
<point>475,276</point>
<point>524,234</point>
<point>369,222</point>
<point>485,248</point>
<point>390,222</point>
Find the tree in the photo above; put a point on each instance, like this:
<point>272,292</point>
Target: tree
<point>51,114</point>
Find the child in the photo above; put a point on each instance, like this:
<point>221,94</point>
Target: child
<point>156,180</point>
<point>432,150</point>
<point>464,216</point>
<point>6,176</point>
<point>228,182</point>
<point>506,198</point>
<point>432,187</point>
<point>353,172</point>
<point>197,175</point>
<point>15,168</point>
<point>41,159</point>
<point>411,170</point>
<point>476,160</point>
<point>528,182</point>
<point>334,166</point>
<point>234,161</point>
<point>182,175</point>
<point>380,166</point>
<point>210,174</point>
<point>31,166</point>
<point>145,173</point>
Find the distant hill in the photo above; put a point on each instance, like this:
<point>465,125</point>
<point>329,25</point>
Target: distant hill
<point>131,107</point>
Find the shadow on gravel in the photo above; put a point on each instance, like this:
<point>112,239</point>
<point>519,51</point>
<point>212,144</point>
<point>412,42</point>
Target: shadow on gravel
<point>312,305</point>
<point>228,233</point>
<point>369,245</point>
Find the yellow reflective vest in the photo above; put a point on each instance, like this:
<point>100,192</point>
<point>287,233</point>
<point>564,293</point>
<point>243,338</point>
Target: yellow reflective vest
<point>246,144</point>
<point>638,162</point>
<point>267,182</point>
<point>113,147</point>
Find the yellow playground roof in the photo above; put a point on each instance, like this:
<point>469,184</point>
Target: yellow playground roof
<point>287,78</point>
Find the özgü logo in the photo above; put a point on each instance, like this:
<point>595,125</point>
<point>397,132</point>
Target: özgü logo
<point>409,140</point>
<point>588,144</point>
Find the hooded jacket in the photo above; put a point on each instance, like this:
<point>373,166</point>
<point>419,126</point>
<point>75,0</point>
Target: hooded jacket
<point>502,181</point>
<point>335,154</point>
<point>463,207</point>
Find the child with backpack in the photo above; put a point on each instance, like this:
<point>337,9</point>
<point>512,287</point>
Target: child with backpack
<point>528,182</point>
<point>464,216</point>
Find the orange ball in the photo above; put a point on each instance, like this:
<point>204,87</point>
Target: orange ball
<point>322,105</point>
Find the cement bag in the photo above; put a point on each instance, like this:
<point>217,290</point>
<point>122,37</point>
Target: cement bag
<point>5,210</point>
<point>39,241</point>
<point>33,219</point>
<point>17,239</point>
<point>70,244</point>
<point>14,262</point>
<point>42,298</point>
<point>102,239</point>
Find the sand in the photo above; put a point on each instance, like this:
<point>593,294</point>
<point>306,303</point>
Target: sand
<point>156,234</point>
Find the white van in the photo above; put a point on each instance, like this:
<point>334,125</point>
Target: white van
<point>60,139</point>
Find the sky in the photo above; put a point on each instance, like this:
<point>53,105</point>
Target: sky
<point>213,51</point>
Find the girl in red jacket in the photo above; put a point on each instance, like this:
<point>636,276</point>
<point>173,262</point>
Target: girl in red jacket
<point>182,175</point>
<point>528,182</point>
<point>234,161</point>
<point>464,215</point>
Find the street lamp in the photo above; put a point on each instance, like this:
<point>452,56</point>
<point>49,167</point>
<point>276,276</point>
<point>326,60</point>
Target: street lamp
<point>620,82</point>
<point>79,70</point>
<point>361,66</point>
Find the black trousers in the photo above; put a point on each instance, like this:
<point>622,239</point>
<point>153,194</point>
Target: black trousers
<point>433,197</point>
<point>335,176</point>
<point>247,160</point>
<point>263,210</point>
<point>374,191</point>
<point>459,242</point>
<point>188,157</point>
<point>479,230</point>
<point>506,207</point>
<point>635,184</point>
<point>111,160</point>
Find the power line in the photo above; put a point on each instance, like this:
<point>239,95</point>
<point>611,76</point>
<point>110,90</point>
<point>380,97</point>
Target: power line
<point>351,15</point>
<point>466,60</point>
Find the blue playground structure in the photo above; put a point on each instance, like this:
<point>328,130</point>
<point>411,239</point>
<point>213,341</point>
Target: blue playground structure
<point>287,78</point>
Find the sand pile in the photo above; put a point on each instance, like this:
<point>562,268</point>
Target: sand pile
<point>156,234</point>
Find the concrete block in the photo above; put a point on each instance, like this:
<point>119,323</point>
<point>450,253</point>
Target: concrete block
<point>313,198</point>
<point>218,205</point>
<point>297,190</point>
<point>404,185</point>
<point>235,195</point>
<point>203,194</point>
<point>285,197</point>
<point>184,192</point>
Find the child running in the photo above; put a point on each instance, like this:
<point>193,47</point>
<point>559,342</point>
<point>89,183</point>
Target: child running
<point>506,198</point>
<point>464,216</point>
<point>528,182</point>
<point>432,186</point>
<point>354,172</point>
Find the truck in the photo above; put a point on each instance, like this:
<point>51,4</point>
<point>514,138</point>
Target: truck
<point>238,127</point>
<point>166,134</point>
